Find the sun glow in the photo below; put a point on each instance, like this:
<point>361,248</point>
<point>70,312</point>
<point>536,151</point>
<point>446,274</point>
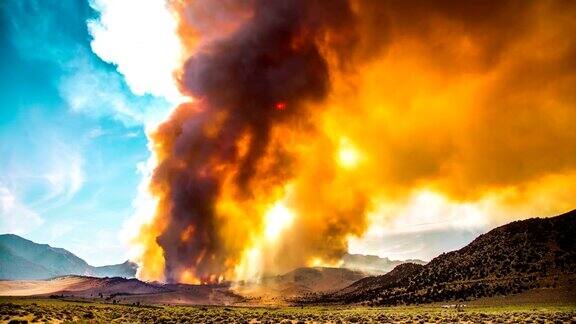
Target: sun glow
<point>348,156</point>
<point>277,219</point>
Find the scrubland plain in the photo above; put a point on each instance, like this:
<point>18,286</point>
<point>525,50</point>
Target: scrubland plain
<point>15,310</point>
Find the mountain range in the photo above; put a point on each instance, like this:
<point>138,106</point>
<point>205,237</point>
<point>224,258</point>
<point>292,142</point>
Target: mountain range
<point>536,254</point>
<point>533,253</point>
<point>22,259</point>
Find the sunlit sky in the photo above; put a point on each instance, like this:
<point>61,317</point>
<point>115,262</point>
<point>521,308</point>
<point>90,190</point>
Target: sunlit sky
<point>82,82</point>
<point>71,131</point>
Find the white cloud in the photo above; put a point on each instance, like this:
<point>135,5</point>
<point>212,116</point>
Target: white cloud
<point>139,36</point>
<point>97,92</point>
<point>62,169</point>
<point>97,132</point>
<point>45,169</point>
<point>15,217</point>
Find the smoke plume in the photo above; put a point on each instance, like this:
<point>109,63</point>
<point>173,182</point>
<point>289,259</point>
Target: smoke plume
<point>306,115</point>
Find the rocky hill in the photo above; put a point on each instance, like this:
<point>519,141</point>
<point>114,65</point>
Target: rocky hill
<point>23,259</point>
<point>509,259</point>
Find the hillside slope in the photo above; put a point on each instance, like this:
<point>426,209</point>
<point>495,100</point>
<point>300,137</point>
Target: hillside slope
<point>12,266</point>
<point>509,259</point>
<point>23,259</point>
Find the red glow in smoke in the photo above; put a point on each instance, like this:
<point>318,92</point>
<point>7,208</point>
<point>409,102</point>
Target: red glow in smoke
<point>280,106</point>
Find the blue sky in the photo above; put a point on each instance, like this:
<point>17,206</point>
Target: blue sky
<point>71,131</point>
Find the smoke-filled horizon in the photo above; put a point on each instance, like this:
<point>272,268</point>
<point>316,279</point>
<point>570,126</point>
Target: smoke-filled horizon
<point>306,119</point>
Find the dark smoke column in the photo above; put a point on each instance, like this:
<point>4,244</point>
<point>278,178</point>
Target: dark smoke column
<point>258,75</point>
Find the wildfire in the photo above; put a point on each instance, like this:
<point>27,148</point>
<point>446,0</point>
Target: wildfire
<point>306,117</point>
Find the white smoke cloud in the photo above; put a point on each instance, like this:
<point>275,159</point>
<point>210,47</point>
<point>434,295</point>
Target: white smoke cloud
<point>144,206</point>
<point>139,36</point>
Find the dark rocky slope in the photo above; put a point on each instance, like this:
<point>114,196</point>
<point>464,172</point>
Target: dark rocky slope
<point>509,259</point>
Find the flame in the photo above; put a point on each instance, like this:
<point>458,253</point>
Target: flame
<point>309,122</point>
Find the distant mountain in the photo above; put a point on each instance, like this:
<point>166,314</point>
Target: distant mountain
<point>372,263</point>
<point>316,279</point>
<point>126,270</point>
<point>23,259</point>
<point>509,259</point>
<point>282,289</point>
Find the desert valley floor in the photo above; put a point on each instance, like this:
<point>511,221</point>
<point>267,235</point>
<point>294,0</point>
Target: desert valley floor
<point>528,308</point>
<point>87,305</point>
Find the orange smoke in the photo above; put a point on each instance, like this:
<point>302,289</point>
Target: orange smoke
<point>306,117</point>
